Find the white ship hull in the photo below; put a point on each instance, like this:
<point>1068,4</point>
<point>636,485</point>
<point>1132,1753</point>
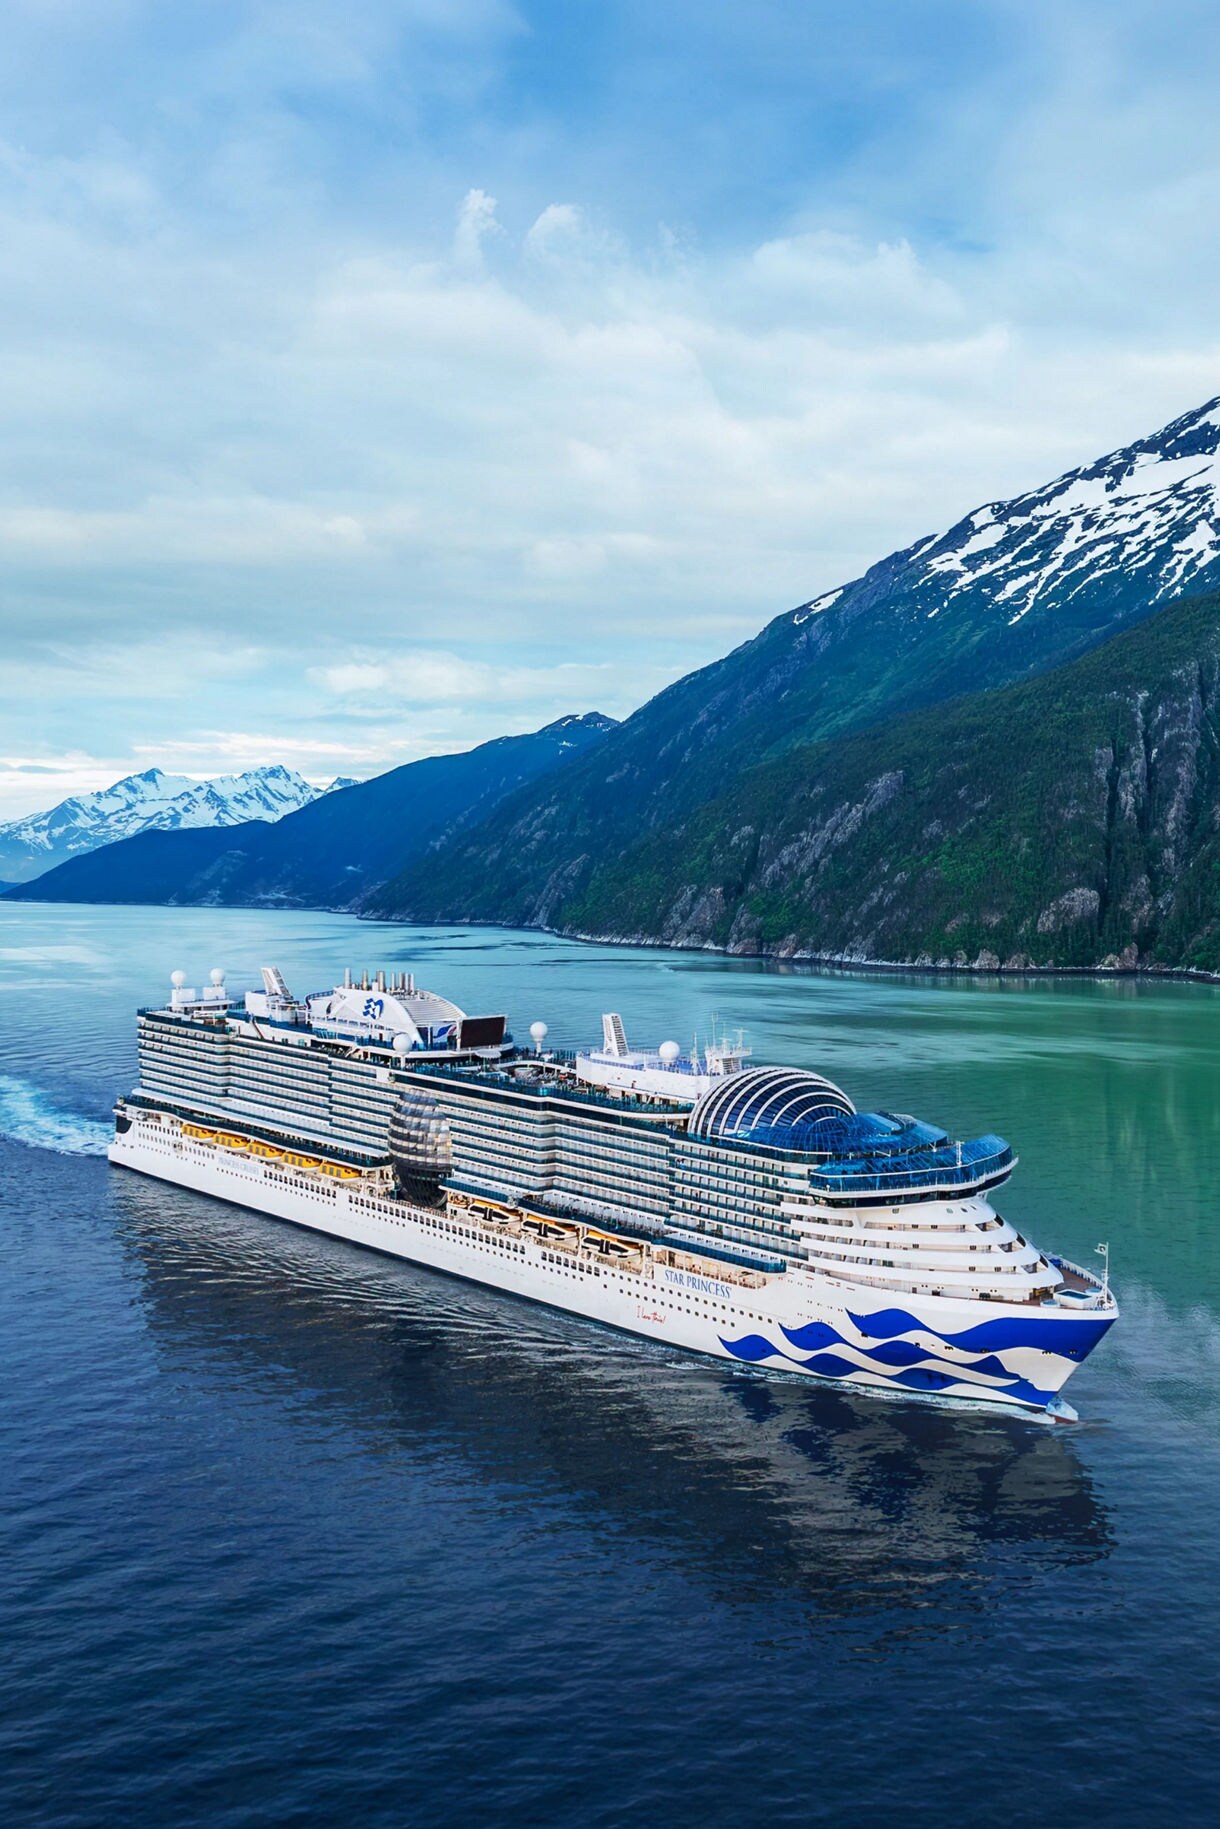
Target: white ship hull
<point>801,1322</point>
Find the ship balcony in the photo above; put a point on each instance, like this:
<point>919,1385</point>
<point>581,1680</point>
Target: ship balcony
<point>956,1231</point>
<point>986,1264</point>
<point>1010,1284</point>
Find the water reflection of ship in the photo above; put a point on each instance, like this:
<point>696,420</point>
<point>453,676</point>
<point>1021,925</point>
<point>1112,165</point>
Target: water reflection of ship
<point>767,1487</point>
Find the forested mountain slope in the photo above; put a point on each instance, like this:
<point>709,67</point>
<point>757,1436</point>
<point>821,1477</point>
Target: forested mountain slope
<point>1014,589</point>
<point>1072,820</point>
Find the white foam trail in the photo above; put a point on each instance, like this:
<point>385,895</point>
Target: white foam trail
<point>27,1116</point>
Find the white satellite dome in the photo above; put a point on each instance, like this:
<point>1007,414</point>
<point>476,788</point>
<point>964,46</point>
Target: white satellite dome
<point>217,975</point>
<point>402,1043</point>
<point>177,979</point>
<point>669,1052</point>
<point>538,1033</point>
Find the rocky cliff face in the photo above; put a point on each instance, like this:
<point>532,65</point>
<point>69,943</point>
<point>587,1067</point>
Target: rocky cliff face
<point>1010,591</point>
<point>1070,821</point>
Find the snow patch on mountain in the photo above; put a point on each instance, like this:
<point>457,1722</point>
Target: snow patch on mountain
<point>1150,511</point>
<point>1154,505</point>
<point>150,801</point>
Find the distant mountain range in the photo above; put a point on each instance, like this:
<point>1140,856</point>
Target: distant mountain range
<point>329,853</point>
<point>152,801</point>
<point>994,747</point>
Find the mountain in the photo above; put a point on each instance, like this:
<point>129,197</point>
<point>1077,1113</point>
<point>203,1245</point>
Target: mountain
<point>1070,820</point>
<point>327,854</point>
<point>152,801</point>
<point>1014,589</point>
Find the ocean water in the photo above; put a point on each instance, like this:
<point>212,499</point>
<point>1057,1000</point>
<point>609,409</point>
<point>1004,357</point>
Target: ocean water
<point>293,1534</point>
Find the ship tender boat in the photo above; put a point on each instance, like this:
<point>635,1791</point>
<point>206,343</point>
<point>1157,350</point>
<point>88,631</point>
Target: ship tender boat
<point>747,1212</point>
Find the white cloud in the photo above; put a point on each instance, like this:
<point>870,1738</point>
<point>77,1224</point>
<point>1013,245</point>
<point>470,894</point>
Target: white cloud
<point>297,415</point>
<point>476,224</point>
<point>563,238</point>
<point>433,677</point>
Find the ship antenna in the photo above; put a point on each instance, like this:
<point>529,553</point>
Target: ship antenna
<point>1103,1252</point>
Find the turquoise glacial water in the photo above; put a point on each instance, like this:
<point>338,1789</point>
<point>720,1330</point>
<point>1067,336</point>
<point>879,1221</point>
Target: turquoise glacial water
<point>291,1532</point>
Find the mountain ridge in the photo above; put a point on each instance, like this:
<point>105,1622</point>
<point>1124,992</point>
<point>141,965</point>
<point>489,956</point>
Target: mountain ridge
<point>148,801</point>
<point>949,614</point>
<point>1069,822</point>
<point>327,853</point>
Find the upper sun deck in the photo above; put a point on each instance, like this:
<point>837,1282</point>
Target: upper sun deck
<point>388,1016</point>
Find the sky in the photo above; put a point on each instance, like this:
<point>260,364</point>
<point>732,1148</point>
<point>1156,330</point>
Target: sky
<point>381,377</point>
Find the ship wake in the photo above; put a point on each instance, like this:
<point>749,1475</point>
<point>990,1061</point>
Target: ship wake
<point>28,1116</point>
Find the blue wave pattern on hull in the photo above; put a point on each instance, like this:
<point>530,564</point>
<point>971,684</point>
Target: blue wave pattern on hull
<point>913,1367</point>
<point>752,1349</point>
<point>1071,1337</point>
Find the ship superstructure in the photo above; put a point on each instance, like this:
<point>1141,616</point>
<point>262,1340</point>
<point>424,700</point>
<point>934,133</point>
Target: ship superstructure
<point>749,1212</point>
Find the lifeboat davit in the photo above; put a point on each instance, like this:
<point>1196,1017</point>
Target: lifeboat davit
<point>608,1244</point>
<point>550,1231</point>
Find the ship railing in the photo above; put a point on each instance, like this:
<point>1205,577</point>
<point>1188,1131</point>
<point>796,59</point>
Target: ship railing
<point>972,1168</point>
<point>629,1104</point>
<point>1095,1290</point>
<point>1087,1276</point>
<point>641,1059</point>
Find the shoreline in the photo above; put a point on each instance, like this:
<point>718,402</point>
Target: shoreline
<point>841,962</point>
<point>828,962</point>
<point>924,968</point>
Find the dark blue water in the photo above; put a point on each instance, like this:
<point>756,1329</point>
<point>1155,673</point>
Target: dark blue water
<point>294,1534</point>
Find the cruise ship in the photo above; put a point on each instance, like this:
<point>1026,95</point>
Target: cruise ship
<point>746,1212</point>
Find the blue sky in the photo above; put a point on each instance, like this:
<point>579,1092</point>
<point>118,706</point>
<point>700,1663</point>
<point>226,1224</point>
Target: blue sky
<point>381,377</point>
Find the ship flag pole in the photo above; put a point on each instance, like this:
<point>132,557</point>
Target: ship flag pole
<point>1103,1252</point>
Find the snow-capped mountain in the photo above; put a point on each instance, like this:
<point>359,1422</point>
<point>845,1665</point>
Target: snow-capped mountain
<point>330,853</point>
<point>151,801</point>
<point>1011,591</point>
<point>1148,515</point>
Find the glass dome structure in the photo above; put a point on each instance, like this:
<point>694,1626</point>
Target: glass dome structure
<point>420,1145</point>
<point>772,1105</point>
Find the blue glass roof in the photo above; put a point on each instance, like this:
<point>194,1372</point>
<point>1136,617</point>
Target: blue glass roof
<point>774,1105</point>
<point>787,1108</point>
